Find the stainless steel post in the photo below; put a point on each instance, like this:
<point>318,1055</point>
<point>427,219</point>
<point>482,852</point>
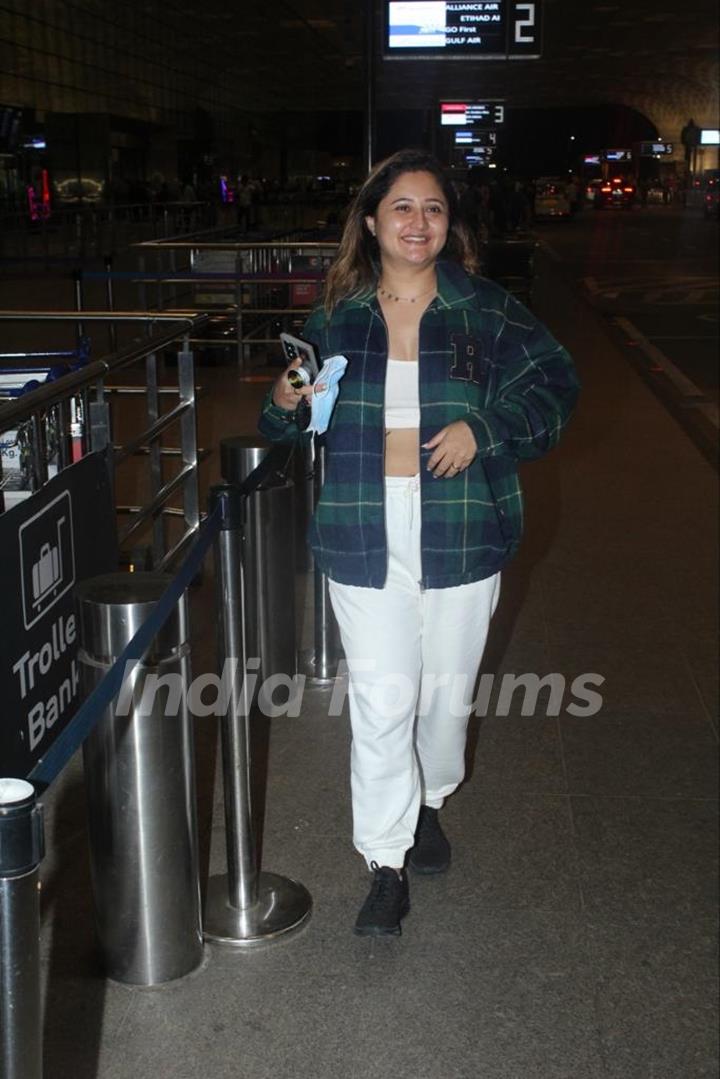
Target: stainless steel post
<point>370,105</point>
<point>268,554</point>
<point>21,851</point>
<point>321,664</point>
<point>244,906</point>
<point>140,781</point>
<point>239,330</point>
<point>79,302</point>
<point>110,301</point>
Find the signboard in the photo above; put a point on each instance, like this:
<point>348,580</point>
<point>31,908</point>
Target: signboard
<point>481,155</point>
<point>220,293</point>
<point>709,137</point>
<point>57,537</point>
<point>655,149</point>
<point>617,155</point>
<point>468,137</point>
<point>462,29</point>
<point>472,113</point>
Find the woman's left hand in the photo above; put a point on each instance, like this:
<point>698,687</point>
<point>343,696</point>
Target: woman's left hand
<point>454,447</point>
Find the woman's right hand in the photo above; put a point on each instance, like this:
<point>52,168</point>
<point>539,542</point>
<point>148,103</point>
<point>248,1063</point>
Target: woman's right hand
<point>285,395</point>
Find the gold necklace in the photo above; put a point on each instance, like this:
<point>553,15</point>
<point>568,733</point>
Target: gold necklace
<point>404,299</point>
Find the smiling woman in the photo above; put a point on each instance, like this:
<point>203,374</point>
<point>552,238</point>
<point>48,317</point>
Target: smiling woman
<point>449,381</point>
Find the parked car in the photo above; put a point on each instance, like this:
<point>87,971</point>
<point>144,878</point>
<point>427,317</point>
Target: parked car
<point>615,193</point>
<point>551,199</point>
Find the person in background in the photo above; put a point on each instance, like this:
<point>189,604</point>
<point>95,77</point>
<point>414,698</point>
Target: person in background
<point>519,216</point>
<point>572,191</point>
<point>449,383</point>
<point>244,202</point>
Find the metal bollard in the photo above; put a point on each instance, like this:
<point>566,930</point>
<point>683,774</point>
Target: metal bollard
<point>21,852</point>
<point>243,907</point>
<point>140,781</point>
<point>322,663</point>
<point>303,475</point>
<point>269,559</point>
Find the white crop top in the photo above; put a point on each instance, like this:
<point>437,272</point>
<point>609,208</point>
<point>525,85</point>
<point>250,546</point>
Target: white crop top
<point>402,398</point>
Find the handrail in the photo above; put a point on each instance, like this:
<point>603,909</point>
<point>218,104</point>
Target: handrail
<point>50,393</point>
<point>152,432</point>
<point>99,316</point>
<point>245,245</point>
<point>152,510</point>
<point>237,275</point>
<point>44,416</point>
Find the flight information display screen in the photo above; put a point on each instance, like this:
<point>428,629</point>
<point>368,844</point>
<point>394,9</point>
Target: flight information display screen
<point>468,137</point>
<point>655,149</point>
<point>463,29</point>
<point>472,113</point>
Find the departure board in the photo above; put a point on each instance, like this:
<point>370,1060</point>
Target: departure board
<point>472,113</point>
<point>468,137</point>
<point>463,29</point>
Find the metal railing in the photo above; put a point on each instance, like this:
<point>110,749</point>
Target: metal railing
<point>253,290</point>
<point>95,228</point>
<point>41,422</point>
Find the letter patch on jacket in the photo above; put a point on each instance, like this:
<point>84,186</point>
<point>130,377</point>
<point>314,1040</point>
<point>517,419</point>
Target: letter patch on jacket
<point>466,365</point>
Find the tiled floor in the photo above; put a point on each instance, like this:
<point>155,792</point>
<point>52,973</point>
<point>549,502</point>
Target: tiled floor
<point>573,937</point>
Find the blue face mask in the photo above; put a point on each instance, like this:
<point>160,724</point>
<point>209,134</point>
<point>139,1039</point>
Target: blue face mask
<point>322,403</point>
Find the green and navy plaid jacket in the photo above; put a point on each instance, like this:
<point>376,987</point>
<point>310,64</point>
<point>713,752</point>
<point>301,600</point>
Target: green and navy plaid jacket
<point>483,358</point>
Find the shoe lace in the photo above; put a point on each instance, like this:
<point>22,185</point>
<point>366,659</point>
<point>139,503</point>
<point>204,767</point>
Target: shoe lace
<point>383,885</point>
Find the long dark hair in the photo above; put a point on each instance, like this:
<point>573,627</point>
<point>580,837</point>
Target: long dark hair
<point>357,264</point>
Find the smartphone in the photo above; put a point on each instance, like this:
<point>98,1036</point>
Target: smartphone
<point>295,348</point>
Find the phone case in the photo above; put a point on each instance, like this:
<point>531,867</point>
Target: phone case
<point>294,348</point>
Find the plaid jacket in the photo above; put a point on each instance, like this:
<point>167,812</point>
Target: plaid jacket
<point>483,358</point>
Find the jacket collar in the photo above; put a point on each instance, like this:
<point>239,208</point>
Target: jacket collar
<point>455,289</point>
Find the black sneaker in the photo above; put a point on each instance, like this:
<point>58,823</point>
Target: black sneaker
<point>388,901</point>
<point>431,853</point>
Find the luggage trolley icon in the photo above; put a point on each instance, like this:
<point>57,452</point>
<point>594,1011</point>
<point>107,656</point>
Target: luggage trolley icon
<point>47,572</point>
<point>47,558</point>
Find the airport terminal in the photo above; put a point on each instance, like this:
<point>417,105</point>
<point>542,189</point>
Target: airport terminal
<point>339,330</point>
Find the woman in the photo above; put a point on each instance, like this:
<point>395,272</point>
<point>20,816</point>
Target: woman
<point>449,382</point>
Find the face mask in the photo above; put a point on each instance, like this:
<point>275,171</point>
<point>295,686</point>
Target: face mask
<point>323,402</point>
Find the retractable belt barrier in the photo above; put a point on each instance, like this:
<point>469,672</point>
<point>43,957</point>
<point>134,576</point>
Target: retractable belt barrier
<point>243,907</point>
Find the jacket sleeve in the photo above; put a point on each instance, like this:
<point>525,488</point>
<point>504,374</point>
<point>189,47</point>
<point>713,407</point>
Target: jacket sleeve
<point>278,424</point>
<point>535,384</point>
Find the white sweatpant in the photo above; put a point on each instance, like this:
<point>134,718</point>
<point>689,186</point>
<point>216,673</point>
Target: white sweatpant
<point>412,654</point>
